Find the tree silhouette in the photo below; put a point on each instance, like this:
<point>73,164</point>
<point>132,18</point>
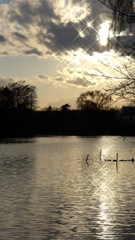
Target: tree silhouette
<point>123,74</point>
<point>65,107</point>
<point>18,96</point>
<point>122,12</point>
<point>6,99</point>
<point>125,88</point>
<point>123,16</point>
<point>49,108</point>
<point>94,100</point>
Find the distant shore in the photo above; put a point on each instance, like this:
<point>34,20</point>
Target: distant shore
<point>68,123</point>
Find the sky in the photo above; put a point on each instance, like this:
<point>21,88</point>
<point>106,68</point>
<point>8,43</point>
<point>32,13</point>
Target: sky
<point>58,46</point>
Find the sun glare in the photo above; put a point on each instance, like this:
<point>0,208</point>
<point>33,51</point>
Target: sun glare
<point>81,34</point>
<point>89,24</point>
<point>104,33</point>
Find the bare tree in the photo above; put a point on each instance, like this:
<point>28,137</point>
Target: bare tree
<point>122,17</point>
<point>125,88</point>
<point>25,96</point>
<point>18,96</point>
<point>121,77</point>
<point>94,100</point>
<point>122,11</point>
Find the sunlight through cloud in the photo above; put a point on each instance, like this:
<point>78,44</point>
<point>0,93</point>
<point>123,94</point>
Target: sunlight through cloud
<point>104,33</point>
<point>70,12</point>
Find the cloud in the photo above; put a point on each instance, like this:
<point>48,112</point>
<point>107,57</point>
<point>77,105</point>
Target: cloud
<point>59,79</point>
<point>34,51</point>
<point>5,1</point>
<point>4,81</point>
<point>82,82</point>
<point>49,26</point>
<point>68,32</point>
<point>5,53</point>
<point>41,76</point>
<point>26,13</point>
<point>22,13</point>
<point>60,39</point>
<point>97,71</point>
<point>2,39</point>
<point>20,36</point>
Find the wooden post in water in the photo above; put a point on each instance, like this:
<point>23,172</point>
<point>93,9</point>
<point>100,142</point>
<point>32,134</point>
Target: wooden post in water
<point>87,159</point>
<point>117,161</point>
<point>100,154</point>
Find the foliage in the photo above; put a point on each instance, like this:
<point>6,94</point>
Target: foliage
<point>65,107</point>
<point>49,108</point>
<point>94,100</point>
<point>18,96</point>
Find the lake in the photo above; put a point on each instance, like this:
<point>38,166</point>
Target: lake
<point>48,191</point>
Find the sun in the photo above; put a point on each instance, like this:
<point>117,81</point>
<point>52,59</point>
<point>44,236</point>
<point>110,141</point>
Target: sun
<point>104,33</point>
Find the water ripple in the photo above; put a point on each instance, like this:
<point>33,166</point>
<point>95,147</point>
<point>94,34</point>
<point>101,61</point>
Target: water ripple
<point>49,192</point>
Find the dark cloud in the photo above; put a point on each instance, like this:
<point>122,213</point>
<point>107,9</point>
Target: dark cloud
<point>23,14</point>
<point>26,12</point>
<point>46,12</point>
<point>20,36</point>
<point>59,79</point>
<point>34,51</point>
<point>63,38</point>
<point>81,82</point>
<point>4,53</point>
<point>41,76</point>
<point>2,39</point>
<point>46,25</point>
<point>58,37</point>
<point>5,1</point>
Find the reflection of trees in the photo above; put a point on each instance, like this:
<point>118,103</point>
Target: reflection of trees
<point>94,100</point>
<point>18,96</point>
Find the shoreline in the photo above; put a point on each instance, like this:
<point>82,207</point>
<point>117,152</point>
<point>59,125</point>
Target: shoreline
<point>68,123</point>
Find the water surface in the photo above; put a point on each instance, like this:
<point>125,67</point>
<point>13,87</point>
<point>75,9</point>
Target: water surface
<point>47,191</point>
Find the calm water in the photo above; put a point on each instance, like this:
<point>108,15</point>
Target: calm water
<point>47,191</point>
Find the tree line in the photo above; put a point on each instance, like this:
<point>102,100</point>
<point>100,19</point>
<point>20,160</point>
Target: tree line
<point>18,105</point>
<point>90,100</point>
<point>21,96</point>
